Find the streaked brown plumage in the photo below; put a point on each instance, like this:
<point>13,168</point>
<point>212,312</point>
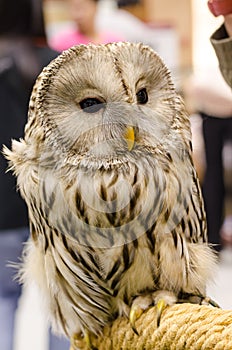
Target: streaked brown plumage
<point>109,223</point>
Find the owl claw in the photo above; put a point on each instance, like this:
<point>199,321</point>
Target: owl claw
<point>135,313</point>
<point>87,339</point>
<point>209,301</point>
<point>74,340</point>
<point>196,299</point>
<point>160,306</point>
<point>139,305</point>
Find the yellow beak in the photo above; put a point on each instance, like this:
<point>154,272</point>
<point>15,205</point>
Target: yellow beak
<point>129,136</point>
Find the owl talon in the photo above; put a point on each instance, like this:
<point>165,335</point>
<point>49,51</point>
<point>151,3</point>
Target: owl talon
<point>74,339</point>
<point>139,305</point>
<point>196,299</point>
<point>209,301</point>
<point>162,299</point>
<point>87,339</point>
<point>135,313</point>
<point>160,306</point>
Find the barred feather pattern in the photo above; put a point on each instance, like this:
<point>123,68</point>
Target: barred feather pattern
<point>107,223</point>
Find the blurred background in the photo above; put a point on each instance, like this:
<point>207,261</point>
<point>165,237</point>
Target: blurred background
<point>179,30</point>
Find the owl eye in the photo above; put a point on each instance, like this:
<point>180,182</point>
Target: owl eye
<point>91,105</point>
<point>142,96</point>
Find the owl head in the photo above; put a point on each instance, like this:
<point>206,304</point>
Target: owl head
<point>106,143</point>
<point>97,103</point>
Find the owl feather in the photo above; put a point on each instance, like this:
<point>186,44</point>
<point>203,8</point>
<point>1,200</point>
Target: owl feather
<point>110,224</point>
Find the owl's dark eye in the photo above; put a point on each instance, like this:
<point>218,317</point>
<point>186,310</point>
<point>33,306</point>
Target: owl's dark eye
<point>142,96</point>
<point>91,105</point>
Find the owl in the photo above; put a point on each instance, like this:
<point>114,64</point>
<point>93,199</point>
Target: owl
<point>116,213</point>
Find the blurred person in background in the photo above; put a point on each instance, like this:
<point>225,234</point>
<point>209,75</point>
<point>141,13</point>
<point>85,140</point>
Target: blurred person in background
<point>23,54</point>
<point>211,97</point>
<point>119,18</point>
<point>83,13</point>
<point>222,43</point>
<point>127,18</point>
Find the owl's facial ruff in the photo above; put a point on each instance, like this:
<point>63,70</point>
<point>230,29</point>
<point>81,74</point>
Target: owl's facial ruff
<point>88,98</point>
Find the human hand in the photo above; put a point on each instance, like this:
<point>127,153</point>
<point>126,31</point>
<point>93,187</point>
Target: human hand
<point>220,7</point>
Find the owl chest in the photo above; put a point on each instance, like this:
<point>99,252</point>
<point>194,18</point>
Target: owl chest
<point>136,273</point>
<point>108,199</point>
<point>116,207</point>
<point>121,272</point>
<point>103,282</point>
